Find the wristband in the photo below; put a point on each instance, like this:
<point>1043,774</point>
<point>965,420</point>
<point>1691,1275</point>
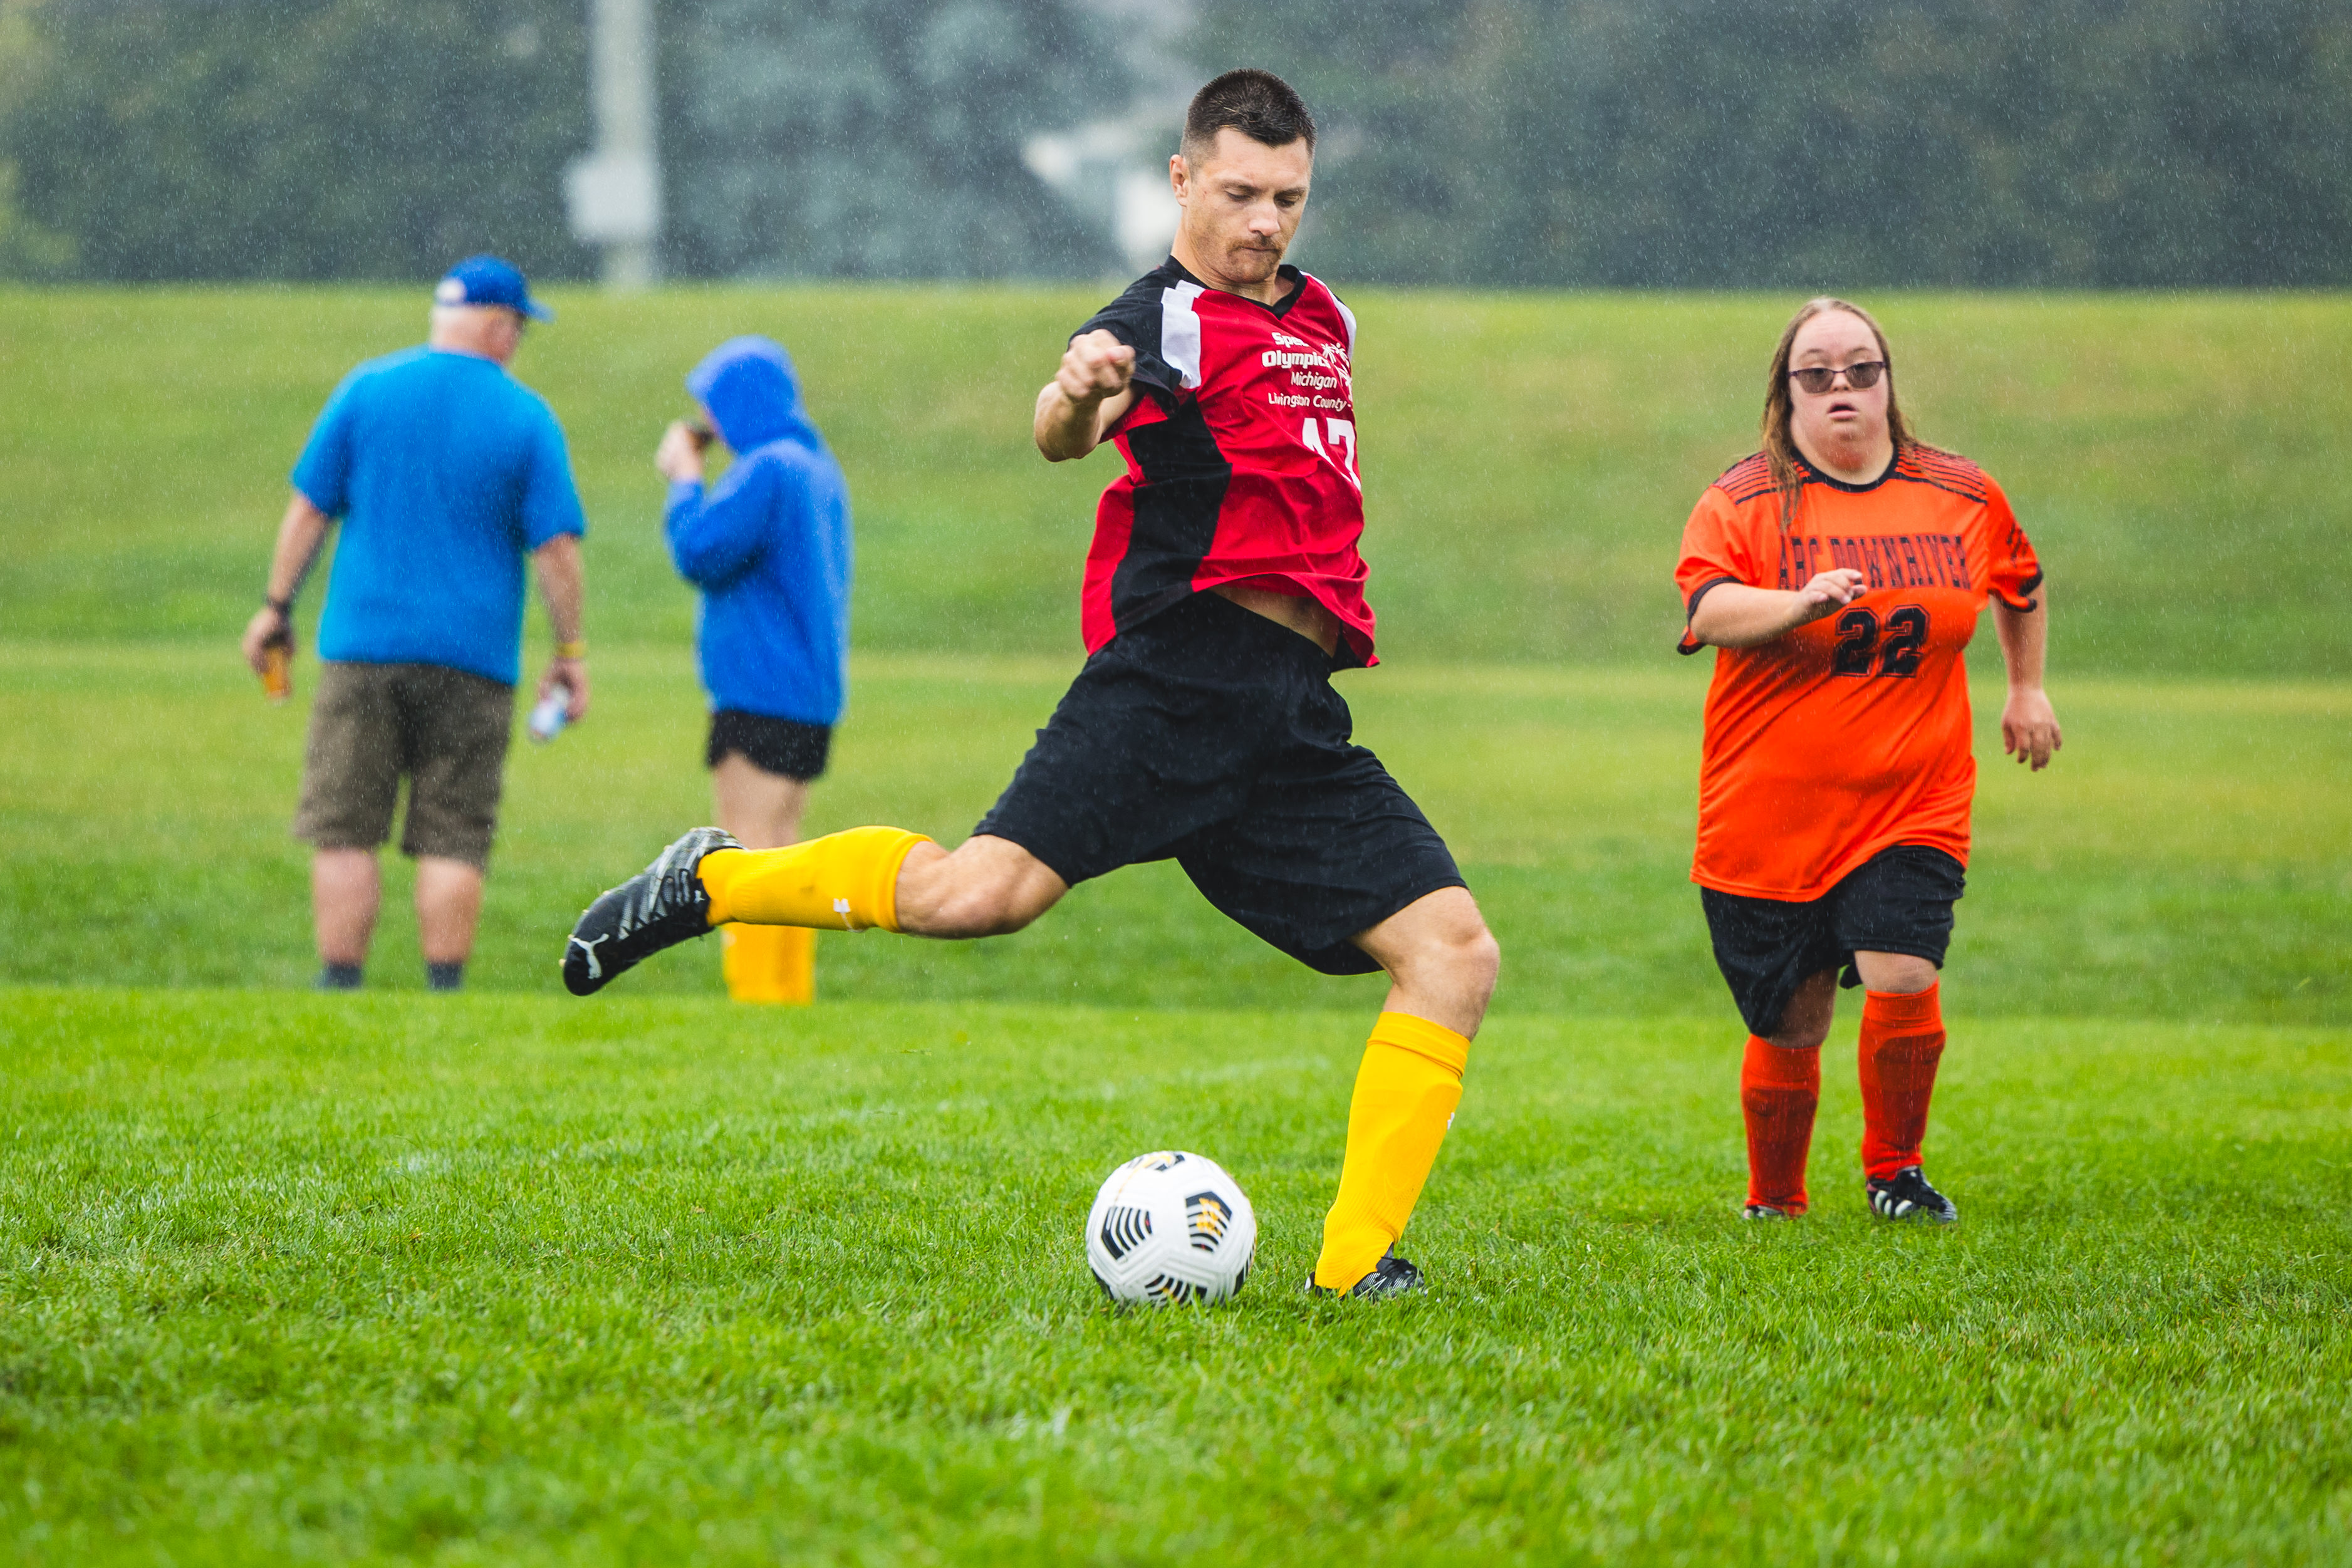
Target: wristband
<point>285,607</point>
<point>575,649</point>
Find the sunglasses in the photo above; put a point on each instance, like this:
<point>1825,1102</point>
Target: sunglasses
<point>1863,374</point>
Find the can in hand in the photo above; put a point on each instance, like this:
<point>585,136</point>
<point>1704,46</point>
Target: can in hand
<point>278,668</point>
<point>553,712</point>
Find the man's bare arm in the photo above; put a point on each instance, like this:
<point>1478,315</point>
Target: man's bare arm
<point>561,582</point>
<point>300,534</point>
<point>1090,392</point>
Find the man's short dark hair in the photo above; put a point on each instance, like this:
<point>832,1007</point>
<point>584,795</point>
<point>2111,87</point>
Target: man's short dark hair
<point>1259,104</point>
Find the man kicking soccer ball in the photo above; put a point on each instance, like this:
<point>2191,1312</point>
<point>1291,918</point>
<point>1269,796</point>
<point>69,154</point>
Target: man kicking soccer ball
<point>1222,589</point>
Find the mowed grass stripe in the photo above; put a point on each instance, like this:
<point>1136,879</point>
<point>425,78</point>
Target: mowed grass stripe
<point>512,1280</point>
<point>2184,857</point>
<point>1528,458</point>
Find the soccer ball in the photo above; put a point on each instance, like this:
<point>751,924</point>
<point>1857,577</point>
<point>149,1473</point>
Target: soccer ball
<point>1170,1226</point>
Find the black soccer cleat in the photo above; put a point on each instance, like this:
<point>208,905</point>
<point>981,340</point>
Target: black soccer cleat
<point>1391,1276</point>
<point>659,907</point>
<point>1768,1212</point>
<point>1906,1195</point>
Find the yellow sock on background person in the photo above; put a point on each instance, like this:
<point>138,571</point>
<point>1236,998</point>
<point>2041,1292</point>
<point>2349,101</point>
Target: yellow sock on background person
<point>1406,1094</point>
<point>842,882</point>
<point>769,963</point>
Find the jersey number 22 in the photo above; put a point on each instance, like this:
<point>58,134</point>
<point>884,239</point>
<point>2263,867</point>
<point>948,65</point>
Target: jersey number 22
<point>1858,644</point>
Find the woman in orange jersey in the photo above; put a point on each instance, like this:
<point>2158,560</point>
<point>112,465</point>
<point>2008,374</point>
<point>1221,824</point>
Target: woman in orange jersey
<point>1841,571</point>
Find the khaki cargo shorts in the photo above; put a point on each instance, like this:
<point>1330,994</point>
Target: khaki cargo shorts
<point>444,730</point>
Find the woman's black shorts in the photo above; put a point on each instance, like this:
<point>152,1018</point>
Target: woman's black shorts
<point>783,745</point>
<point>1898,900</point>
<point>1210,736</point>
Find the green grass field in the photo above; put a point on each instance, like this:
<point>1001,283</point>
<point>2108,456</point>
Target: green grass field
<point>506,1280</point>
<point>2153,872</point>
<point>509,1278</point>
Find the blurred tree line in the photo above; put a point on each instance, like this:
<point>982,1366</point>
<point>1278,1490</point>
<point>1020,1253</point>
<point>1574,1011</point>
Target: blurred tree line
<point>1718,143</point>
<point>881,138</point>
<point>1746,143</point>
<point>317,138</point>
<point>296,139</point>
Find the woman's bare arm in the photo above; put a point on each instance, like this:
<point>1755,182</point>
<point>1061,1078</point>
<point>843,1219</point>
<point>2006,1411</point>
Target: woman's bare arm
<point>2029,724</point>
<point>1734,615</point>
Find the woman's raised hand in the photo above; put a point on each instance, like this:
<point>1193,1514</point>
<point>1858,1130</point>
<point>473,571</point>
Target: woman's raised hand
<point>1829,591</point>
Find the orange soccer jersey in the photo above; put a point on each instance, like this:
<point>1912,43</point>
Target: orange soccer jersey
<point>1850,735</point>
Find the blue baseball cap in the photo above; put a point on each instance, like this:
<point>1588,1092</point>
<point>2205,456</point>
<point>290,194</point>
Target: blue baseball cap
<point>487,280</point>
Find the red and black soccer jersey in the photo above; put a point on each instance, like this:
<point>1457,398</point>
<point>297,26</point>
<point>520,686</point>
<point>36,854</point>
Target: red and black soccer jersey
<point>1241,454</point>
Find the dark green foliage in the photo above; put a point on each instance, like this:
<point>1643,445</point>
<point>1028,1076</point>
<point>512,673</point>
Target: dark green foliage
<point>1700,142</point>
<point>308,139</point>
<point>883,139</point>
<point>1796,143</point>
<point>365,139</point>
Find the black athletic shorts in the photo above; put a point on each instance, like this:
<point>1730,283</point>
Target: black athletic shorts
<point>1897,901</point>
<point>1210,736</point>
<point>784,745</point>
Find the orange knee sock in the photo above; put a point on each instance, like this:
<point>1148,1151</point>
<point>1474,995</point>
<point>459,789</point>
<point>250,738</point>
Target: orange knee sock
<point>1902,1042</point>
<point>1778,1092</point>
<point>842,882</point>
<point>1406,1090</point>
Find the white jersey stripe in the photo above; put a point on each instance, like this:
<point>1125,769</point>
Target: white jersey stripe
<point>1180,333</point>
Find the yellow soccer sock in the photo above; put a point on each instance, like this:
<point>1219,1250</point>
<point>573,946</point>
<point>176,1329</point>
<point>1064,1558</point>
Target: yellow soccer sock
<point>769,963</point>
<point>1406,1094</point>
<point>842,882</point>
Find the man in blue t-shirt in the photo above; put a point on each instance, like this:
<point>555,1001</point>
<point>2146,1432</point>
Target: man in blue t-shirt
<point>769,547</point>
<point>445,473</point>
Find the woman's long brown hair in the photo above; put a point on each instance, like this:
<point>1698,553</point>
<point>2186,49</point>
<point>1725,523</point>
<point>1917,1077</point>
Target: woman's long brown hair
<point>1780,446</point>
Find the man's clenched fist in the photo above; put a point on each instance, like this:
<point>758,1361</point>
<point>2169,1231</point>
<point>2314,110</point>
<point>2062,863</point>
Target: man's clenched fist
<point>1089,394</point>
<point>1095,366</point>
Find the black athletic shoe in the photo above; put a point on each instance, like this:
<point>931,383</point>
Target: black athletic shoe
<point>659,907</point>
<point>1765,1211</point>
<point>1906,1196</point>
<point>1391,1276</point>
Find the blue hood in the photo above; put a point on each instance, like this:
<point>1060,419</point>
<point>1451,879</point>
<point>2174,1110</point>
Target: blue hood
<point>753,395</point>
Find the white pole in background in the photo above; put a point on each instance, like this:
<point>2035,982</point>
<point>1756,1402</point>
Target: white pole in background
<point>615,192</point>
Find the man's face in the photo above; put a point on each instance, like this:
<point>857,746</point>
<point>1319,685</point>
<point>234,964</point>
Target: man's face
<point>1242,203</point>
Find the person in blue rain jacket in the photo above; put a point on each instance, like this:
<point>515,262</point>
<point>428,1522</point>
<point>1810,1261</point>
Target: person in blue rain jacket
<point>769,547</point>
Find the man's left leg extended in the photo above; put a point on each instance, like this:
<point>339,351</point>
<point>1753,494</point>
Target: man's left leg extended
<point>862,879</point>
<point>1126,767</point>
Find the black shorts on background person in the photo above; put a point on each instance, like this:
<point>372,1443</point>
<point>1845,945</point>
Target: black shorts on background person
<point>784,747</point>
